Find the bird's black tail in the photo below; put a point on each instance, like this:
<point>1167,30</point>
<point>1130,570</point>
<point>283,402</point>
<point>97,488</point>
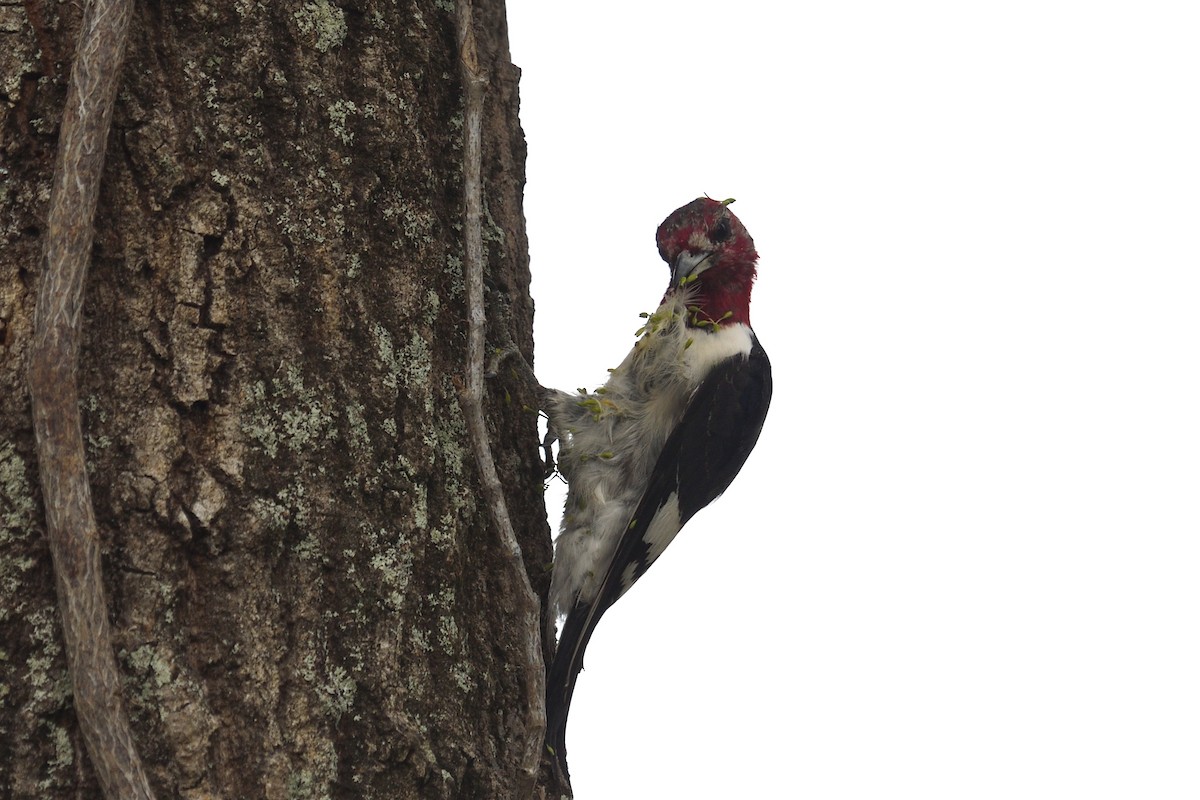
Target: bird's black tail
<point>560,681</point>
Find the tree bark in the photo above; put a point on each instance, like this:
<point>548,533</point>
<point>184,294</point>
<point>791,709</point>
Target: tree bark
<point>307,593</point>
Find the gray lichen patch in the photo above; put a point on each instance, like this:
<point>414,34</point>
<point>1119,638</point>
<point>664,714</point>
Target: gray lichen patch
<point>45,669</point>
<point>17,508</point>
<point>416,222</point>
<point>443,535</point>
<point>63,759</point>
<point>18,524</point>
<point>406,369</point>
<point>322,24</point>
<point>339,112</point>
<point>153,669</point>
<point>337,690</point>
<point>356,421</point>
<point>392,560</point>
<point>285,411</point>
<point>290,505</point>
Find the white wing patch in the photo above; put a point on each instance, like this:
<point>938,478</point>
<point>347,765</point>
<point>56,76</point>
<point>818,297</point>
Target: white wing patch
<point>663,527</point>
<point>659,533</point>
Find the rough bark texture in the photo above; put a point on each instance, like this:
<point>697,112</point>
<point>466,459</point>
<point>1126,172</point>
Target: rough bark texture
<point>307,595</point>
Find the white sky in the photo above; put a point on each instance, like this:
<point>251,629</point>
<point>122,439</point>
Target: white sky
<point>964,561</point>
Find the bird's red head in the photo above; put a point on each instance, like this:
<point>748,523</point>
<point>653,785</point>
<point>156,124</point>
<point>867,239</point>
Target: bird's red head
<point>712,255</point>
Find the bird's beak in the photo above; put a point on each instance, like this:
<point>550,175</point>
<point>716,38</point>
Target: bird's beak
<point>689,265</point>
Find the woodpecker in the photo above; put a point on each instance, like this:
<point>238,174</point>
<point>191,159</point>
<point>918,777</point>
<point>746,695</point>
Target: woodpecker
<point>662,439</point>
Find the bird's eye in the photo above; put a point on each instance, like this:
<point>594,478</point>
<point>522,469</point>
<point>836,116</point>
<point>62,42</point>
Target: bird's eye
<point>720,231</point>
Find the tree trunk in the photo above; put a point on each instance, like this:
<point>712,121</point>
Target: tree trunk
<point>307,594</point>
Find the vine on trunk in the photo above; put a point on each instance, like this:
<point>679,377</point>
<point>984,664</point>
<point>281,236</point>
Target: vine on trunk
<point>70,519</point>
<point>474,83</point>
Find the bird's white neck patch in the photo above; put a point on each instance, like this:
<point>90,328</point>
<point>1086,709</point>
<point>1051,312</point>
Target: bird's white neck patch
<point>709,348</point>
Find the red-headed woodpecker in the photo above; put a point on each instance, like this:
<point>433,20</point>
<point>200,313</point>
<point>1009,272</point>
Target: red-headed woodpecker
<point>662,439</point>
